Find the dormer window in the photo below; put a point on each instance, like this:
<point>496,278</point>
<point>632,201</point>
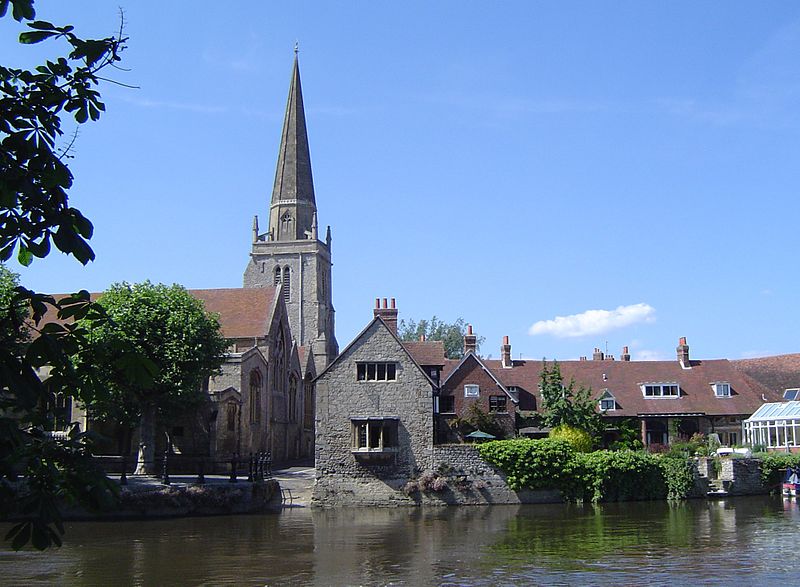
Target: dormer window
<point>721,389</point>
<point>607,402</point>
<point>791,394</point>
<point>669,389</point>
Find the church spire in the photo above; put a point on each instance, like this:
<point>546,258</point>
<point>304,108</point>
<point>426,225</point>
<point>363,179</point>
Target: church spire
<point>293,203</point>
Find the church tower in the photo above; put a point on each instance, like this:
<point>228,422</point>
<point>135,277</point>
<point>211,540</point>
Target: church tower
<point>290,253</point>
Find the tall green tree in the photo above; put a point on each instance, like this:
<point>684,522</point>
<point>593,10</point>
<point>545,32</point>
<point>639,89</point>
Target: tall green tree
<point>37,107</point>
<point>451,334</point>
<point>568,405</point>
<point>173,332</point>
<point>12,311</point>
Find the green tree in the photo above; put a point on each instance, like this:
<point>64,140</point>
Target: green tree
<point>12,311</point>
<point>35,107</point>
<point>451,334</point>
<point>569,405</point>
<point>173,332</point>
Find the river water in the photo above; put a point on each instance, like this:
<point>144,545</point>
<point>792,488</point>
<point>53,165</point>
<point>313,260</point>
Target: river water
<point>743,541</point>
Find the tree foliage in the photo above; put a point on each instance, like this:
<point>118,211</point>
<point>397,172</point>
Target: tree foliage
<point>569,405</point>
<point>451,334</point>
<point>578,438</point>
<point>35,106</point>
<point>172,331</point>
<point>12,311</point>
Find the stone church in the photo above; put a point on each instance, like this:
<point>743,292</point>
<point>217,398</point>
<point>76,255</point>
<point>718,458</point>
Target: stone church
<point>281,323</point>
<point>280,326</point>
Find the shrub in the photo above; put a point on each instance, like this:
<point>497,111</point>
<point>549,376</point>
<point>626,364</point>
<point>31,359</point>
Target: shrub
<point>678,473</point>
<point>618,476</point>
<point>773,465</point>
<point>545,463</point>
<point>580,440</point>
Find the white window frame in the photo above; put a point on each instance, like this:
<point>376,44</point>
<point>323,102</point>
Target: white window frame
<point>613,404</point>
<point>661,385</point>
<point>472,390</point>
<point>796,393</point>
<point>722,389</point>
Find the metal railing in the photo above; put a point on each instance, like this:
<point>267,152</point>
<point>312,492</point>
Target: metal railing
<point>258,466</point>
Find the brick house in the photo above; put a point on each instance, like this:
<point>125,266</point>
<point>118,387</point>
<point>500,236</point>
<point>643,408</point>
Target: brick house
<point>669,400</point>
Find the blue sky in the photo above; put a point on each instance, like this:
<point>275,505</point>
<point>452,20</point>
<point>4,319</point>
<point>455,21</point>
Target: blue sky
<point>571,174</point>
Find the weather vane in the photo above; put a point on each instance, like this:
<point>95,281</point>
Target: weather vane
<point>296,47</point>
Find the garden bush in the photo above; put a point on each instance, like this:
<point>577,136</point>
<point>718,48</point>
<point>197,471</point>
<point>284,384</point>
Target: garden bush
<point>603,475</point>
<point>579,440</point>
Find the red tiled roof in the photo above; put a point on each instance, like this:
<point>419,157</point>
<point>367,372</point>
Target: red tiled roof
<point>777,373</point>
<point>243,312</point>
<point>430,352</point>
<point>624,378</point>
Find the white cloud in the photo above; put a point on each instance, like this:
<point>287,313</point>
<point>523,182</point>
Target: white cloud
<point>647,355</point>
<point>594,321</point>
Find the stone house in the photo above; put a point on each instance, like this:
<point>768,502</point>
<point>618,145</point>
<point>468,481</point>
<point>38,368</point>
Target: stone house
<point>374,416</point>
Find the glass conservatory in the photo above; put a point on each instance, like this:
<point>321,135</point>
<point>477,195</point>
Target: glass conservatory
<point>774,425</point>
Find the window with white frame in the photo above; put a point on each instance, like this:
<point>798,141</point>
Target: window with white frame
<point>721,389</point>
<point>472,390</point>
<point>607,402</point>
<point>661,390</point>
<point>376,371</point>
<point>791,394</point>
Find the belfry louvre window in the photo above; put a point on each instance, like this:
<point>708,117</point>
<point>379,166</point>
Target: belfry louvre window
<point>670,390</point>
<point>376,371</point>
<point>377,434</point>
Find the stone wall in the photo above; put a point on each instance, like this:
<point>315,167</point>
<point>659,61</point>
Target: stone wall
<point>742,476</point>
<point>472,481</point>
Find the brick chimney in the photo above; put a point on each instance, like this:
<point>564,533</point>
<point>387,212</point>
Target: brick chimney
<point>470,341</point>
<point>597,355</point>
<point>388,313</point>
<point>683,353</point>
<point>505,353</point>
<point>625,356</point>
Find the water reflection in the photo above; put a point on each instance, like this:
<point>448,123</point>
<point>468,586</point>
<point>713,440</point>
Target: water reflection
<point>746,540</point>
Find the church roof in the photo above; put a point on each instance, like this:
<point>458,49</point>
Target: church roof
<point>243,312</point>
<point>293,180</point>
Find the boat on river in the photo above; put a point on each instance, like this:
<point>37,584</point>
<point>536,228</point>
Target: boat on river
<point>791,482</point>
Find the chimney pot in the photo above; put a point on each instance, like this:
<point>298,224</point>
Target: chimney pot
<point>470,341</point>
<point>505,340</point>
<point>683,353</point>
<point>388,315</point>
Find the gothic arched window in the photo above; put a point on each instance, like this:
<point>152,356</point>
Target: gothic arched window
<point>255,396</point>
<point>292,398</point>
<point>277,280</point>
<point>286,283</point>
